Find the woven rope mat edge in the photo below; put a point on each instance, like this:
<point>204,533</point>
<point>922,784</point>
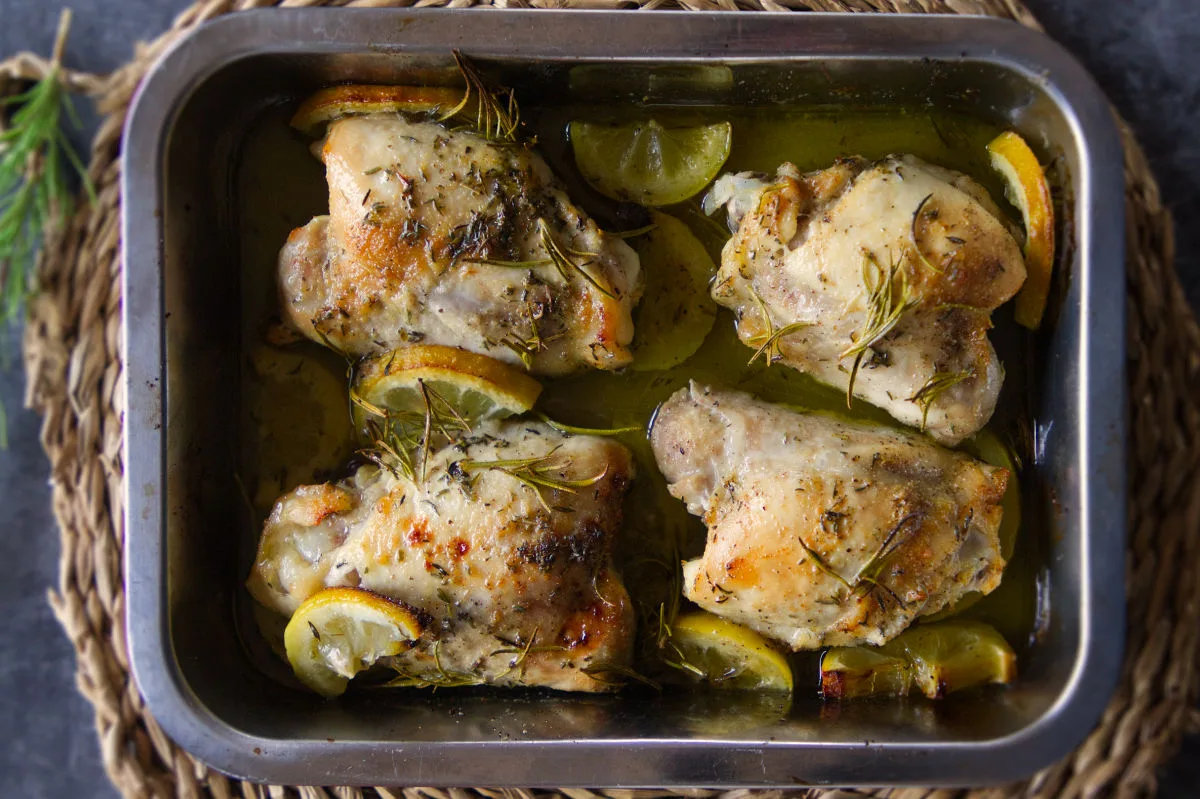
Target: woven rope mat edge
<point>72,358</point>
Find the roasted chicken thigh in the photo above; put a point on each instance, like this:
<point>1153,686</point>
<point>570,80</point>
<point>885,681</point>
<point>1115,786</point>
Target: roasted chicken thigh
<point>445,237</point>
<point>491,562</point>
<point>878,279</point>
<point>823,532</point>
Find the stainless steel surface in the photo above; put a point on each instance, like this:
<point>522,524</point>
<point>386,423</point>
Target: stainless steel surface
<point>182,508</point>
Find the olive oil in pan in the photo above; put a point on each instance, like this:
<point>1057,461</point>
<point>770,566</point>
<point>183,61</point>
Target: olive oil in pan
<point>295,413</point>
<point>296,424</point>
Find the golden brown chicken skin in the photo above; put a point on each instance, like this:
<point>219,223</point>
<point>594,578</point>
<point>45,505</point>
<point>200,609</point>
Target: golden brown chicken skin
<point>883,276</point>
<point>490,563</point>
<point>420,218</point>
<point>822,532</point>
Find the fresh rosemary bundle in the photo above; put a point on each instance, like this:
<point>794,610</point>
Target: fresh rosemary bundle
<point>34,193</point>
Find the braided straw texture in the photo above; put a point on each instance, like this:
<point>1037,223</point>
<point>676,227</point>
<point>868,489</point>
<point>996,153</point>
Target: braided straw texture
<point>73,362</point>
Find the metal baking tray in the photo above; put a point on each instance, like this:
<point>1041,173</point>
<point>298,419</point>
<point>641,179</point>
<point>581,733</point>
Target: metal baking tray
<point>184,563</point>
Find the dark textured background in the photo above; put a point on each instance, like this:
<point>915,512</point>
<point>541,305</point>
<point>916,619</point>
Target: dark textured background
<point>1146,55</point>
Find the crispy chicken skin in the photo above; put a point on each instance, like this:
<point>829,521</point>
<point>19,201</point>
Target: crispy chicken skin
<point>809,248</point>
<point>823,532</point>
<point>484,562</point>
<point>413,209</point>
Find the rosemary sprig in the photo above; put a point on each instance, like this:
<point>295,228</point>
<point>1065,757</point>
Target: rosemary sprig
<point>820,563</point>
<point>867,578</point>
<point>523,652</point>
<point>586,431</point>
<point>889,297</point>
<point>912,231</point>
<point>529,347</point>
<point>768,343</point>
<point>525,349</point>
<point>401,441</point>
<point>669,652</point>
<point>631,234</point>
<point>934,387</point>
<point>33,181</point>
<point>617,674</point>
<point>565,260</point>
<point>535,473</point>
<point>440,678</point>
<point>497,115</point>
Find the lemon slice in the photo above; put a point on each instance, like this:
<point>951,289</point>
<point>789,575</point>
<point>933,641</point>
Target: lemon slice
<point>477,387</point>
<point>853,672</point>
<point>729,656</point>
<point>647,163</point>
<point>676,311</point>
<point>953,655</point>
<point>335,102</point>
<point>338,632</point>
<point>936,659</point>
<point>1026,188</point>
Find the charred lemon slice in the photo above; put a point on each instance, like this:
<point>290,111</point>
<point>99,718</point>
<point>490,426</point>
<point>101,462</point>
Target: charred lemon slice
<point>676,311</point>
<point>1026,188</point>
<point>852,672</point>
<point>647,163</point>
<point>338,632</point>
<point>475,386</point>
<point>725,655</point>
<point>341,101</point>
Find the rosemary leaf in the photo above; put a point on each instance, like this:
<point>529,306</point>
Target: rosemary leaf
<point>822,565</point>
<point>913,235</point>
<point>617,674</point>
<point>889,297</point>
<point>497,115</point>
<point>536,473</point>
<point>934,387</point>
<point>34,195</point>
<point>586,431</point>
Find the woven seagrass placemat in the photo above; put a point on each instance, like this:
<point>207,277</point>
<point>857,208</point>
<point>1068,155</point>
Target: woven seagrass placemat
<point>73,359</point>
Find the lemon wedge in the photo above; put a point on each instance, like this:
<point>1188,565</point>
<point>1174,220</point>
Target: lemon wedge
<point>723,654</point>
<point>954,655</point>
<point>647,163</point>
<point>477,387</point>
<point>676,311</point>
<point>335,102</point>
<point>936,659</point>
<point>338,632</point>
<point>1026,188</point>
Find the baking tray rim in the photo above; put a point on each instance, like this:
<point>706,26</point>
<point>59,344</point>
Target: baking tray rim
<point>1100,454</point>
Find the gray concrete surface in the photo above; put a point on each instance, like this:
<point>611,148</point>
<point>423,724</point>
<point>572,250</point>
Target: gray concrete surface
<point>1146,55</point>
